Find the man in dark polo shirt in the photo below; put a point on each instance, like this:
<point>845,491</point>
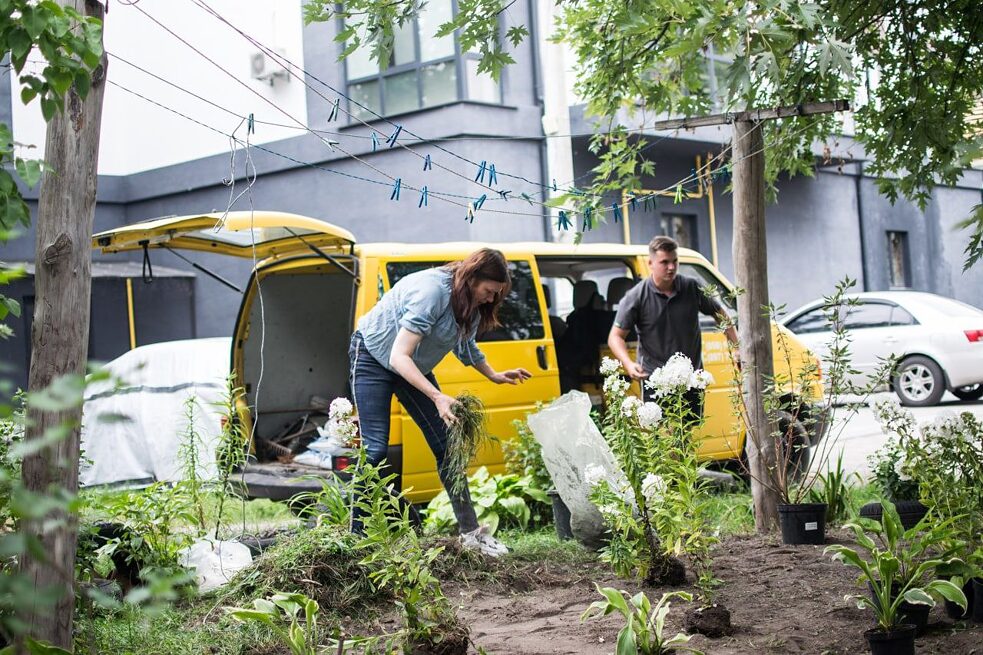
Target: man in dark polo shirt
<point>664,310</point>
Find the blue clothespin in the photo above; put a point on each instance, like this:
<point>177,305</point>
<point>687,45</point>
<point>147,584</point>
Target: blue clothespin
<point>469,217</point>
<point>646,200</point>
<point>427,164</point>
<point>617,211</point>
<point>391,140</point>
<point>634,203</point>
<point>251,124</point>
<point>554,185</point>
<point>492,178</point>
<point>564,221</point>
<point>505,194</point>
<point>588,220</point>
<point>526,197</point>
<point>333,116</point>
<point>480,201</point>
<point>423,198</point>
<point>396,187</point>
<point>375,142</point>
<point>482,167</point>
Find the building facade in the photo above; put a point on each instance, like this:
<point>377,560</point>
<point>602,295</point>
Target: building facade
<point>330,138</point>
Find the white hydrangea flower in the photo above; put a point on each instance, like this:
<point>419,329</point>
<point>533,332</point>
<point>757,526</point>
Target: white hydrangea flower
<point>630,405</point>
<point>649,415</point>
<point>701,379</point>
<point>653,488</point>
<point>610,366</point>
<point>899,469</point>
<point>340,407</point>
<point>593,473</point>
<point>673,376</point>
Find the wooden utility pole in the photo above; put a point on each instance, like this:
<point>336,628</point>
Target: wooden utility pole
<point>751,272</point>
<point>60,336</point>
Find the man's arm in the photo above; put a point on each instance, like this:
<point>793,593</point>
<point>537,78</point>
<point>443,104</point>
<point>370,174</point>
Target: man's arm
<point>619,348</point>
<point>724,321</point>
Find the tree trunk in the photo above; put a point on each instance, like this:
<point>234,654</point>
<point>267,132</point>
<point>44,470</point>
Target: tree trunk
<point>60,337</point>
<point>751,271</point>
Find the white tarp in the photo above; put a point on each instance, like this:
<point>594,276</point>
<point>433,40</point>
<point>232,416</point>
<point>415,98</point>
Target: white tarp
<point>156,381</point>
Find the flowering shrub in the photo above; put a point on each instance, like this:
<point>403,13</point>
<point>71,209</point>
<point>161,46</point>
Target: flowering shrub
<point>660,508</point>
<point>943,461</point>
<point>887,463</point>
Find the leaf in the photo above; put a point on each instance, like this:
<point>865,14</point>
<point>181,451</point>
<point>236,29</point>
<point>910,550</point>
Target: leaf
<point>616,599</point>
<point>919,597</point>
<point>626,641</point>
<point>29,170</point>
<point>949,591</point>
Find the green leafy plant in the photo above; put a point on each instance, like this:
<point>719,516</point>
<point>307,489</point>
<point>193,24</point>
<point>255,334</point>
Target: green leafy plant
<point>897,563</point>
<point>189,455</point>
<point>233,443</point>
<point>524,456</point>
<point>300,636</point>
<point>644,623</point>
<point>499,500</point>
<point>834,490</point>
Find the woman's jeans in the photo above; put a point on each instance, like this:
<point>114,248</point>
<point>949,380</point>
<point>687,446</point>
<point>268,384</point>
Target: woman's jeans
<point>373,386</point>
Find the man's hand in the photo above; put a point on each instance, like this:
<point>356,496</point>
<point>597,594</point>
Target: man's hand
<point>444,404</point>
<point>635,371</point>
<point>512,376</point>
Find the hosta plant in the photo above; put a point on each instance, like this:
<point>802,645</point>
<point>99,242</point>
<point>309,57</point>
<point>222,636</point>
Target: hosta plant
<point>896,564</point>
<point>644,623</point>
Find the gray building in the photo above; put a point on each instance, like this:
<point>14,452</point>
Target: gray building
<point>819,230</point>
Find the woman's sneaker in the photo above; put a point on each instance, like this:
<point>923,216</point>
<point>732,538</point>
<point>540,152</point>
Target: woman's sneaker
<point>483,542</point>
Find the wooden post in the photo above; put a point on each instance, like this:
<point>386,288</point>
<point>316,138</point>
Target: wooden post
<point>751,271</point>
<point>60,335</point>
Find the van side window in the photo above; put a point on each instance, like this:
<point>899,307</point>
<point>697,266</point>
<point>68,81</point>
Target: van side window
<point>520,315</point>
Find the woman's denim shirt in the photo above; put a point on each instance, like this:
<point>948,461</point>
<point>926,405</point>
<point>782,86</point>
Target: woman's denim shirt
<point>421,303</point>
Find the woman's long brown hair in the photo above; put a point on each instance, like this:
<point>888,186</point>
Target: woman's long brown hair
<point>485,264</point>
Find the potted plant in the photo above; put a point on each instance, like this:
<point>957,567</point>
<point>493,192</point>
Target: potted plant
<point>895,566</point>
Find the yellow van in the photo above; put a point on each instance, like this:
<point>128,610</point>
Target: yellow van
<point>312,281</point>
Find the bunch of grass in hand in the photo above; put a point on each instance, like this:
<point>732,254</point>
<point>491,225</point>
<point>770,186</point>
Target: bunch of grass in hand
<point>464,437</point>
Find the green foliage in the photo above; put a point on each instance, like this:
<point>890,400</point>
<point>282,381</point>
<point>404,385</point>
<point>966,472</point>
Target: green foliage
<point>645,623</point>
<point>280,608</point>
<point>908,66</point>
<point>189,455</point>
<point>499,500</point>
<point>524,456</point>
<point>33,647</point>
<point>898,563</point>
<point>230,453</point>
<point>834,489</point>
<point>373,24</point>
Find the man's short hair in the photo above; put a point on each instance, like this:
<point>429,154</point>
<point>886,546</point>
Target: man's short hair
<point>664,244</point>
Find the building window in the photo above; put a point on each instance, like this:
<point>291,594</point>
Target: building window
<point>680,227</point>
<point>423,70</point>
<point>897,251</point>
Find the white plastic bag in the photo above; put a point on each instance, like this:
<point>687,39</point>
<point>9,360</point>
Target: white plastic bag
<point>215,562</point>
<point>571,442</point>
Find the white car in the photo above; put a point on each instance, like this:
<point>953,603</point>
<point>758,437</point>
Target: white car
<point>938,341</point>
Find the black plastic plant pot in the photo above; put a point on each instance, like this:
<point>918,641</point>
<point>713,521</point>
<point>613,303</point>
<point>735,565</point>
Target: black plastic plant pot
<point>915,614</point>
<point>899,641</point>
<point>561,516</point>
<point>976,607</point>
<point>804,523</point>
<point>909,511</point>
<point>953,611</point>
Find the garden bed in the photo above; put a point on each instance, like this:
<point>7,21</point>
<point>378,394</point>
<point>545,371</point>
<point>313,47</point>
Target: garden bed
<point>783,600</point>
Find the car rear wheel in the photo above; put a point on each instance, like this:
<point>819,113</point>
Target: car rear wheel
<point>969,392</point>
<point>919,382</point>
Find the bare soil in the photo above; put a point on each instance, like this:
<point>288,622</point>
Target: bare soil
<point>782,599</point>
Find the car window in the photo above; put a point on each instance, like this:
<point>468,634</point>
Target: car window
<point>812,321</point>
<point>519,315</point>
<point>867,315</point>
<point>900,316</point>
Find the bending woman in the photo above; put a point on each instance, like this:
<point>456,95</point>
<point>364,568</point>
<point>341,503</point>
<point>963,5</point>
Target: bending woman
<point>398,343</point>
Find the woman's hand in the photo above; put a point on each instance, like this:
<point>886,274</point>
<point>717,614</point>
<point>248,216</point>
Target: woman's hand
<point>444,405</point>
<point>512,376</point>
